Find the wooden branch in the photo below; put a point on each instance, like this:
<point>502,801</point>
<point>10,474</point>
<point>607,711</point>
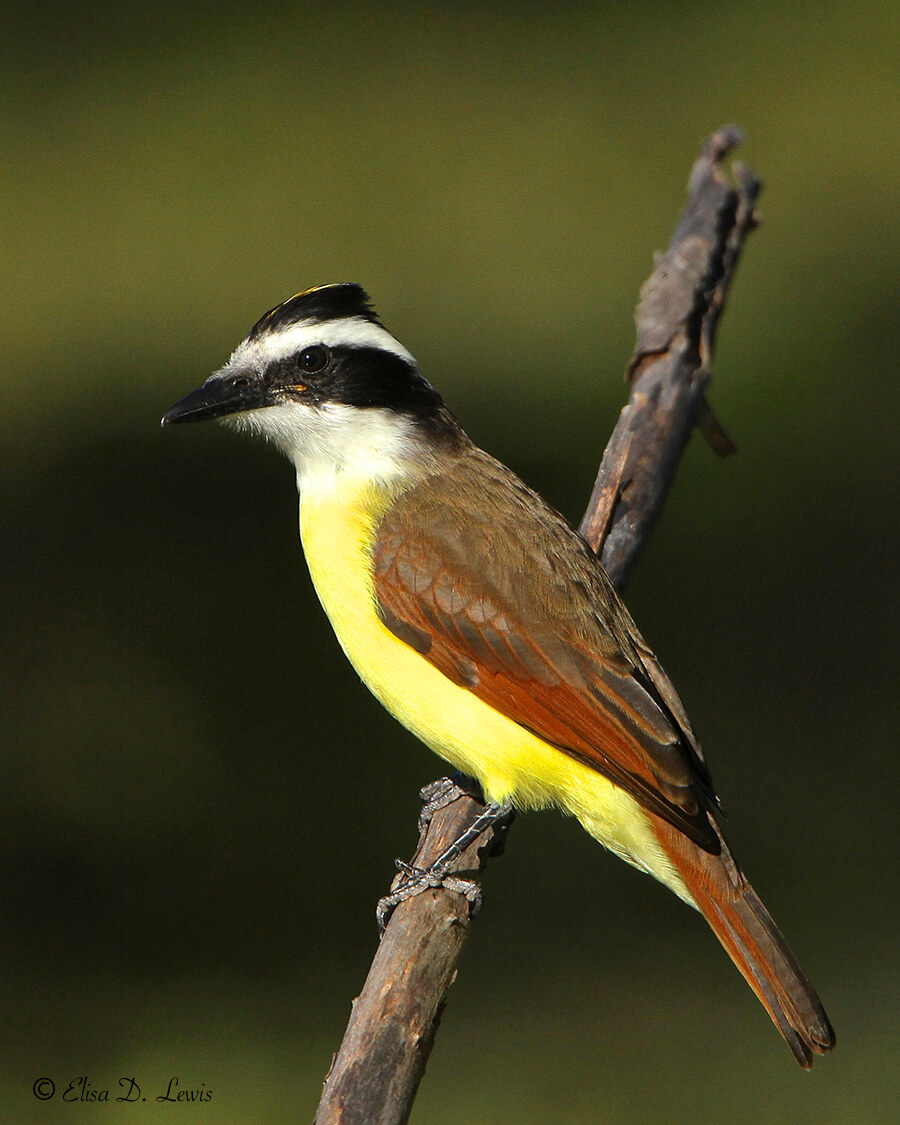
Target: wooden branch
<point>375,1075</point>
<point>374,1078</point>
<point>677,317</point>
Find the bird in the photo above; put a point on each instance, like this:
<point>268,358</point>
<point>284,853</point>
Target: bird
<point>484,623</point>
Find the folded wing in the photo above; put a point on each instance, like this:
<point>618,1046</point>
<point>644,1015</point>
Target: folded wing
<point>515,607</point>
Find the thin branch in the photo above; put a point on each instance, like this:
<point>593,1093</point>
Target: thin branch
<point>679,309</point>
<point>374,1077</point>
<point>394,1019</point>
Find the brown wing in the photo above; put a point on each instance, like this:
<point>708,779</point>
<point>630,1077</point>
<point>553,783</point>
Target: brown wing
<point>481,577</point>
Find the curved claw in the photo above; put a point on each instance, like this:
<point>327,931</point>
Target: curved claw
<point>419,880</point>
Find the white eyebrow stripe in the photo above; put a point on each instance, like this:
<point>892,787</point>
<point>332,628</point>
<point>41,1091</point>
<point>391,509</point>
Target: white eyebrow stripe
<point>355,332</point>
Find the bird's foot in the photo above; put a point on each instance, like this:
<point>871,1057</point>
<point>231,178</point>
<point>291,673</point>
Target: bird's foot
<point>438,874</point>
<point>439,794</point>
<point>418,879</point>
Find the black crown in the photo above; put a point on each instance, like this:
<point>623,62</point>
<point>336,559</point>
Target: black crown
<point>324,302</point>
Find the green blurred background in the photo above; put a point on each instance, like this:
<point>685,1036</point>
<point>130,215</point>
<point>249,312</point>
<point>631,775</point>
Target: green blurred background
<point>201,805</point>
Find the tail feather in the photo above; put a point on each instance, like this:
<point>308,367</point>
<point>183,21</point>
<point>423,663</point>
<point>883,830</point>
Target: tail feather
<point>755,944</point>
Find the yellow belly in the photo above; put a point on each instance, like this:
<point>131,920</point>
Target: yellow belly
<point>337,529</point>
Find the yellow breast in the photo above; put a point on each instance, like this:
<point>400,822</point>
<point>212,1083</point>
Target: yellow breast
<point>337,527</point>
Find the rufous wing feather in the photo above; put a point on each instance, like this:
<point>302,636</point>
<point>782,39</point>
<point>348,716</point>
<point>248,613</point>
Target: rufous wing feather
<point>542,638</point>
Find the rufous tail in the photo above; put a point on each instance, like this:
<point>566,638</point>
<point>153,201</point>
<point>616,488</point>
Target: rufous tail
<point>753,941</point>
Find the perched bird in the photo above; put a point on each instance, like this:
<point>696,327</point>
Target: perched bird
<point>484,623</point>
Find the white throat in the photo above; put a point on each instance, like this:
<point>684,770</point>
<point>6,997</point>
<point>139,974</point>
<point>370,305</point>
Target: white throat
<point>335,444</point>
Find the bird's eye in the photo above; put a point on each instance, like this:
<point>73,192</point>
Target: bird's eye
<point>312,359</point>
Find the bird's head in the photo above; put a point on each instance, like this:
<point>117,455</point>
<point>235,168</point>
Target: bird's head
<point>322,378</point>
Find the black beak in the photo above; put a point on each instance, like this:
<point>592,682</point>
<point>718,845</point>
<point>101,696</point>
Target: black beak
<point>219,395</point>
